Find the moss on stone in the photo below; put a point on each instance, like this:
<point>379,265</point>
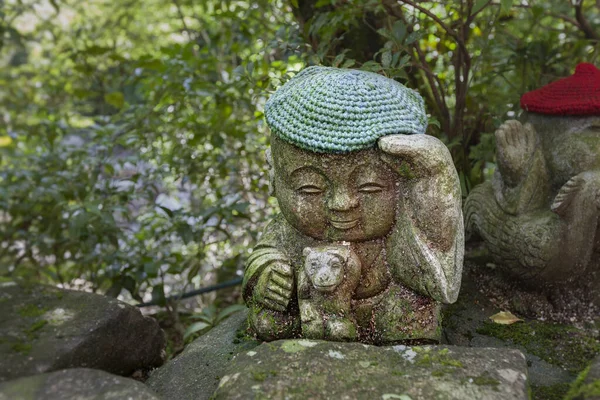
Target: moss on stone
<point>580,389</point>
<point>556,344</point>
<point>259,376</point>
<point>588,391</point>
<point>431,358</point>
<point>485,380</point>
<point>405,171</point>
<point>31,310</point>
<point>22,347</point>
<point>553,392</point>
<point>36,326</point>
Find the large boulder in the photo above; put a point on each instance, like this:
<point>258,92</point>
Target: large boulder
<point>45,329</point>
<point>78,383</point>
<point>196,372</point>
<point>304,369</point>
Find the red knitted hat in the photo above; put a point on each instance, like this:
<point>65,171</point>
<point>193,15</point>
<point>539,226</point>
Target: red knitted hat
<point>578,94</point>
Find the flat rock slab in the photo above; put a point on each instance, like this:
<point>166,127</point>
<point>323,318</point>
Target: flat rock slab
<point>303,369</point>
<point>195,373</point>
<point>77,383</point>
<point>45,329</point>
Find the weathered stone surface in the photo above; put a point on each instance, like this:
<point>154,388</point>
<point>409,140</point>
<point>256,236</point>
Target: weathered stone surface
<point>390,197</point>
<point>76,383</point>
<point>44,329</point>
<point>195,373</point>
<point>305,369</point>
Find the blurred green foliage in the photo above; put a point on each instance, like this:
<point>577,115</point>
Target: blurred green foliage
<point>132,139</point>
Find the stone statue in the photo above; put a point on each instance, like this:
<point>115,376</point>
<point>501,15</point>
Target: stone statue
<point>326,284</point>
<point>539,216</point>
<point>357,182</point>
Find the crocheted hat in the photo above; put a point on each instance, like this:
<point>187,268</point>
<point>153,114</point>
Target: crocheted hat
<point>333,110</point>
<point>578,94</point>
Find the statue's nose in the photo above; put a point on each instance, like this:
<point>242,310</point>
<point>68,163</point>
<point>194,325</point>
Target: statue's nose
<point>342,200</point>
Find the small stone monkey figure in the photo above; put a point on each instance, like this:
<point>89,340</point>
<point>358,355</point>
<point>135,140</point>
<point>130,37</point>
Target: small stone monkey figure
<point>326,283</point>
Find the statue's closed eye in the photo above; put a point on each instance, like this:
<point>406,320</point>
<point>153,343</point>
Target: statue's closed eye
<point>370,187</point>
<point>309,189</point>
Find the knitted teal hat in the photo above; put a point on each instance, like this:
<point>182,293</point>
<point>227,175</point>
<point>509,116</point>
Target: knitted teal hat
<point>333,110</point>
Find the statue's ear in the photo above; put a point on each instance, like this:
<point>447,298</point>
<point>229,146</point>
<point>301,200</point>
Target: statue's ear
<point>342,253</point>
<point>269,159</point>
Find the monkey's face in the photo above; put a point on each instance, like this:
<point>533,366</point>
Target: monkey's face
<point>325,267</point>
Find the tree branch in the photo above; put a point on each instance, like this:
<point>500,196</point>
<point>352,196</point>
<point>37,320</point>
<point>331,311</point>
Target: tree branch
<point>435,18</point>
<point>584,25</point>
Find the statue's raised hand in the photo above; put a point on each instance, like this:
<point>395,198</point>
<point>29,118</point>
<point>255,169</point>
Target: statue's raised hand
<point>274,286</point>
<point>515,147</point>
<point>415,155</point>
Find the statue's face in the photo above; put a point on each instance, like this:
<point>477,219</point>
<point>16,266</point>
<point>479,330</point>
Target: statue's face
<point>575,151</point>
<point>340,197</point>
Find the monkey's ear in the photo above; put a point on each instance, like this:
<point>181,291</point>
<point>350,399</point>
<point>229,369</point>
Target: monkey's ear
<point>307,251</point>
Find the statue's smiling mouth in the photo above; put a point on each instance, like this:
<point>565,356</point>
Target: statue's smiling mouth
<point>344,225</point>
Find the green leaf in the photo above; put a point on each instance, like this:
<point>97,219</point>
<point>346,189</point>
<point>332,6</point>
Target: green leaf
<point>434,121</point>
<point>294,3</point>
<point>195,268</point>
<point>413,37</point>
<point>478,6</point>
<point>202,317</point>
<point>537,11</point>
<point>399,30</point>
<point>403,61</point>
<point>115,99</point>
<point>185,231</point>
<point>195,327</point>
<point>129,285</point>
<point>338,59</point>
<point>385,33</point>
<point>158,294</point>
<point>348,63</point>
<point>372,66</point>
<point>386,59</point>
<point>506,5</point>
<point>167,210</point>
<point>226,312</point>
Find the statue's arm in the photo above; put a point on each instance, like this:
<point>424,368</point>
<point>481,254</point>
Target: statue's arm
<point>268,276</point>
<point>426,247</point>
<point>578,206</point>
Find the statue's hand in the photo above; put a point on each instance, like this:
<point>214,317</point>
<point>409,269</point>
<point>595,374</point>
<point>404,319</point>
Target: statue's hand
<point>274,287</point>
<point>417,154</point>
<point>515,146</point>
<point>581,191</point>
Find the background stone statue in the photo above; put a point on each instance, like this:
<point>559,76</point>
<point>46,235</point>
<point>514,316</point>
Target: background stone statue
<point>350,166</point>
<point>539,217</point>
